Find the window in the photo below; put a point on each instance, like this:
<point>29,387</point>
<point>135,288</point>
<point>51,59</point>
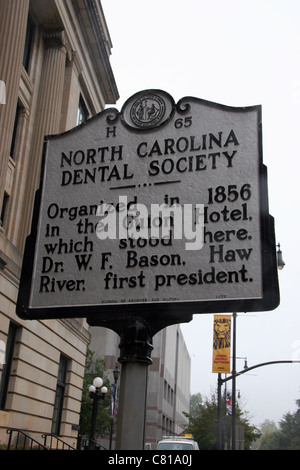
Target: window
<point>4,210</point>
<point>14,135</point>
<point>28,43</point>
<point>82,113</point>
<point>59,396</point>
<point>9,355</point>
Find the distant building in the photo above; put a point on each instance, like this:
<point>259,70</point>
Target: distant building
<point>54,64</point>
<point>168,379</point>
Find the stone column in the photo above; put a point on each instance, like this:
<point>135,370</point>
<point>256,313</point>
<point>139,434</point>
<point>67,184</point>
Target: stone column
<point>13,23</point>
<point>52,83</point>
<point>48,111</point>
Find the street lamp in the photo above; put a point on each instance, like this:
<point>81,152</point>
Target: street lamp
<point>280,265</point>
<point>113,393</point>
<point>97,392</point>
<point>232,377</point>
<point>280,262</point>
<point>245,361</point>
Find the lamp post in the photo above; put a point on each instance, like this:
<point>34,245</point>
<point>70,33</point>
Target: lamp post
<point>231,377</point>
<point>97,392</point>
<point>234,315</point>
<point>113,388</point>
<point>280,265</point>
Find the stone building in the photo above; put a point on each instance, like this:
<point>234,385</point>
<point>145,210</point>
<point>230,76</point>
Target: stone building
<point>55,73</point>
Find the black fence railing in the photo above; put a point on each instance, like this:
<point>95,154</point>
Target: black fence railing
<point>20,440</point>
<point>53,442</point>
<point>90,444</point>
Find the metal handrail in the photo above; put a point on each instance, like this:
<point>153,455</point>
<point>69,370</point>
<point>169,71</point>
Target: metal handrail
<point>88,444</point>
<point>60,444</point>
<point>33,443</point>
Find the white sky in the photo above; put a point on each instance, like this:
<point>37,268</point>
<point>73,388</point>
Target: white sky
<point>237,53</point>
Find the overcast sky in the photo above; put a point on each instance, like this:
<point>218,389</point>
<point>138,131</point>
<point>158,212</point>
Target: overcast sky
<point>237,53</point>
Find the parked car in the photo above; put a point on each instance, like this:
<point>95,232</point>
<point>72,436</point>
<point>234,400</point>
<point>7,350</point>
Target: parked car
<point>185,442</point>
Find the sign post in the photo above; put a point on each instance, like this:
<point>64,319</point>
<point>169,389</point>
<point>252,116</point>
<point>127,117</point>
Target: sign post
<point>149,215</point>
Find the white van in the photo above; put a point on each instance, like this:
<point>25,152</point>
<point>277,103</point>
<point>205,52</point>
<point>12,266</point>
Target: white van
<point>185,442</point>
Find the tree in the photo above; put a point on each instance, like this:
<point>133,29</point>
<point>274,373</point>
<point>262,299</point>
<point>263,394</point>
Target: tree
<point>94,367</point>
<point>286,437</point>
<point>289,438</point>
<point>195,401</point>
<point>269,439</point>
<point>203,424</point>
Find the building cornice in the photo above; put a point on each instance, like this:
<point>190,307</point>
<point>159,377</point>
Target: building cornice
<point>89,17</point>
<point>93,28</point>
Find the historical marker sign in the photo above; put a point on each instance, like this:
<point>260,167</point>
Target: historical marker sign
<point>161,207</point>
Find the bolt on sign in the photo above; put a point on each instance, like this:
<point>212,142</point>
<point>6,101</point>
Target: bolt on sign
<point>160,207</point>
<point>221,344</point>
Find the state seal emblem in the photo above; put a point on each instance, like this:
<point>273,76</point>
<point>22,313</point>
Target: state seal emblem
<point>148,111</point>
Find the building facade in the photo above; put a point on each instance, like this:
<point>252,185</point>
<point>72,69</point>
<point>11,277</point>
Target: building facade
<point>55,73</point>
<point>168,392</point>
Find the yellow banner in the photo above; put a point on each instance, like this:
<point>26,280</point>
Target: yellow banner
<point>221,344</point>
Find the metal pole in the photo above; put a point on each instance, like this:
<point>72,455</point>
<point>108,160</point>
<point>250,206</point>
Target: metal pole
<point>112,391</point>
<point>113,399</point>
<point>234,315</point>
<point>132,406</point>
<point>93,422</point>
<point>135,357</point>
<point>219,443</point>
<point>262,364</point>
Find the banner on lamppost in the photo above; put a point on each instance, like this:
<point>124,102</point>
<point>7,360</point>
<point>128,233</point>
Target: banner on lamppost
<point>229,403</point>
<point>221,343</point>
